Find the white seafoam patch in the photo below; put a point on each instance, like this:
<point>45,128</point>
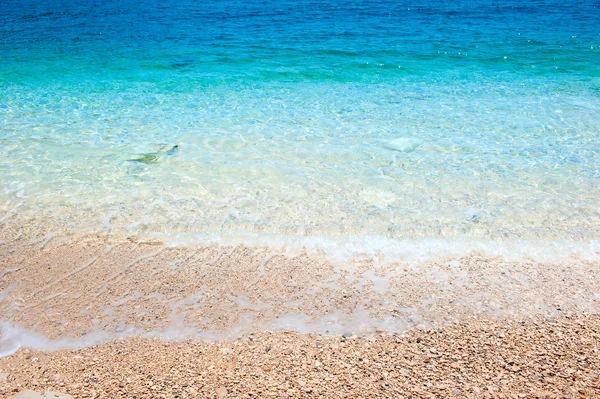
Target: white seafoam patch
<point>342,249</point>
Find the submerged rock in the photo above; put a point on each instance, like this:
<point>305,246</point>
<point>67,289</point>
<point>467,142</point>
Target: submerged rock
<point>153,157</point>
<point>404,144</point>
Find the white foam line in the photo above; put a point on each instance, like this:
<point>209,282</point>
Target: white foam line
<point>341,249</point>
<point>14,337</point>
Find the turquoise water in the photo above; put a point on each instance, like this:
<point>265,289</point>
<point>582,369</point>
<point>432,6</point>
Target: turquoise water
<point>366,124</point>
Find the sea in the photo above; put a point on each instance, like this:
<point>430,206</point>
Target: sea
<point>402,130</point>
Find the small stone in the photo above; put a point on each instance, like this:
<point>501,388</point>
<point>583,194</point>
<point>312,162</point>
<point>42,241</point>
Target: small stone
<point>226,351</point>
<point>221,392</point>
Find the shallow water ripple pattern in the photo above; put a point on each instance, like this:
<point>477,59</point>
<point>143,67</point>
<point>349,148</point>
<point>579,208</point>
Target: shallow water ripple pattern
<point>467,121</point>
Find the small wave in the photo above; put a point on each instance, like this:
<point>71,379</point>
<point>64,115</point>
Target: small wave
<point>342,249</point>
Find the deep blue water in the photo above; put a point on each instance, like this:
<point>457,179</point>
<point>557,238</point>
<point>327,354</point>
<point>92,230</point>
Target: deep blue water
<point>180,45</point>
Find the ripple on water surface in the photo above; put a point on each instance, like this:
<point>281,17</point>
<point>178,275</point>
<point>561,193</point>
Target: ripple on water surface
<point>441,121</point>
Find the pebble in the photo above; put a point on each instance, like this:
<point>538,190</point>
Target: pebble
<point>464,360</point>
<point>221,392</point>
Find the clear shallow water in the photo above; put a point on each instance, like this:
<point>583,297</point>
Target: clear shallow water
<point>381,121</point>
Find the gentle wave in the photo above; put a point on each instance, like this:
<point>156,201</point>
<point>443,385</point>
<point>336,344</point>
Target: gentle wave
<point>383,250</point>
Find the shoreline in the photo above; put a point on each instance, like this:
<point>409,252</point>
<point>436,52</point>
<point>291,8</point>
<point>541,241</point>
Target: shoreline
<point>538,357</point>
<point>94,291</point>
<point>92,318</point>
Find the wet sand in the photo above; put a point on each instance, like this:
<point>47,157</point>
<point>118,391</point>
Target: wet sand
<point>128,318</point>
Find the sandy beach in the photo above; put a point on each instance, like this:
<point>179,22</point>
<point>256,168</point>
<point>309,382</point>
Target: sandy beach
<point>86,290</point>
<point>530,359</point>
<point>93,318</point>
